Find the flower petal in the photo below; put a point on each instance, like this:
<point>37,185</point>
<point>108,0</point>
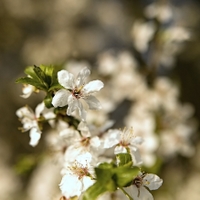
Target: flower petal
<point>92,86</point>
<point>70,186</point>
<point>152,181</point>
<point>66,79</point>
<point>61,98</point>
<point>136,157</point>
<point>87,182</point>
<point>25,111</point>
<point>83,74</point>
<point>75,104</point>
<point>112,138</point>
<point>137,140</point>
<point>138,193</point>
<point>72,105</point>
<point>93,102</point>
<point>27,91</point>
<point>35,136</point>
<point>38,110</point>
<point>120,149</point>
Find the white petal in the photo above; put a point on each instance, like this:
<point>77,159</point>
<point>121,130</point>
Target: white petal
<point>87,182</point>
<point>139,194</point>
<point>96,142</point>
<point>66,79</point>
<point>61,98</point>
<point>72,104</point>
<point>83,74</point>
<point>93,102</point>
<point>84,159</point>
<point>38,110</point>
<point>75,151</point>
<point>112,138</point>
<point>84,128</point>
<point>93,86</point>
<point>35,136</point>
<point>25,112</point>
<point>137,140</point>
<point>75,104</point>
<point>120,149</point>
<point>49,114</point>
<point>70,186</point>
<point>28,124</point>
<point>27,91</point>
<point>136,157</point>
<point>152,181</point>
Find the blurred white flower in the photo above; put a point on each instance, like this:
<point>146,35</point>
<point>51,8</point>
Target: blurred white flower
<point>142,33</point>
<point>27,90</point>
<point>177,141</point>
<point>76,90</point>
<point>82,144</point>
<point>138,189</point>
<point>108,64</point>
<point>125,142</point>
<point>77,177</point>
<point>163,12</point>
<point>31,119</point>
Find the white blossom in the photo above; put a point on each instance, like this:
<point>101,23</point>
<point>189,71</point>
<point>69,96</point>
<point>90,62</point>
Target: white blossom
<point>125,142</point>
<point>142,33</point>
<point>75,90</point>
<point>27,90</point>
<point>82,144</point>
<point>77,177</point>
<point>30,120</point>
<point>163,12</point>
<point>138,189</point>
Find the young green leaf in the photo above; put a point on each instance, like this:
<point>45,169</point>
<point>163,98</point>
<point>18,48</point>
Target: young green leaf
<point>31,81</point>
<point>42,77</point>
<point>124,159</point>
<point>99,188</point>
<point>124,175</point>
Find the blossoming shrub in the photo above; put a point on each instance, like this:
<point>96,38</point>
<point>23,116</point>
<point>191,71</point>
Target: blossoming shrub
<point>97,162</point>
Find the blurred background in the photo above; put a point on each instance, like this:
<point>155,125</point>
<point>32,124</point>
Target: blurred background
<point>163,37</point>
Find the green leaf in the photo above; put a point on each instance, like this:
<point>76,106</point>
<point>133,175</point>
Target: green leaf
<point>124,175</point>
<point>104,172</point>
<point>30,71</point>
<point>30,81</point>
<point>104,182</point>
<point>109,177</point>
<point>99,188</point>
<point>55,86</point>
<point>42,77</point>
<point>48,74</point>
<point>124,159</point>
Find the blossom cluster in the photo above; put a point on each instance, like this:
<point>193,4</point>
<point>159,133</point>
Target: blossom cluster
<point>96,160</point>
<point>160,33</point>
<point>167,124</point>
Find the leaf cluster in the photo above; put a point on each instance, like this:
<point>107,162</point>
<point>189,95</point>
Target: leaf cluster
<point>111,176</point>
<point>42,78</point>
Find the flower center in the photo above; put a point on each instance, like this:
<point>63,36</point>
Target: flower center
<point>138,182</point>
<point>126,137</point>
<point>76,92</point>
<point>85,141</point>
<point>80,171</point>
